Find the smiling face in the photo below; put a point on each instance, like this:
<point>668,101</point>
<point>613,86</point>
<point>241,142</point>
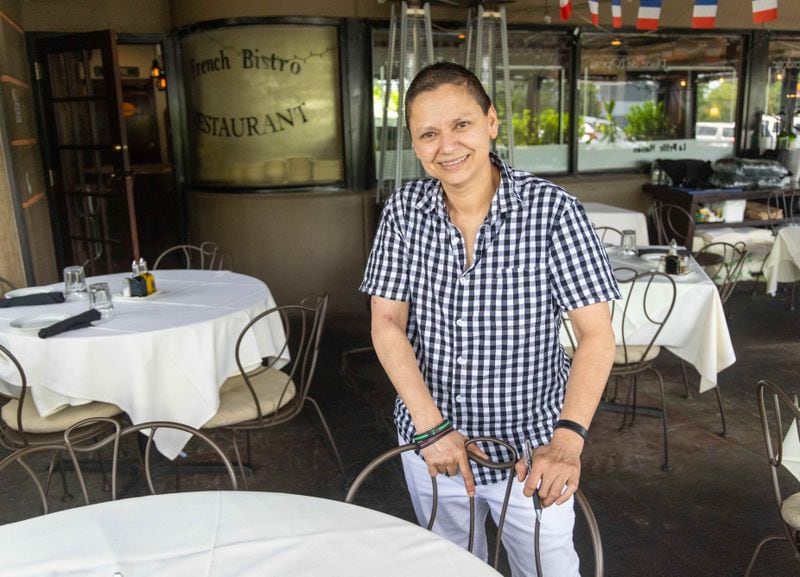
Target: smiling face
<point>452,135</point>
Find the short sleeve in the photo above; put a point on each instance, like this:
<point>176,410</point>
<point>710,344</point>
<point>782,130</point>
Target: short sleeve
<point>580,272</point>
<point>386,274</point>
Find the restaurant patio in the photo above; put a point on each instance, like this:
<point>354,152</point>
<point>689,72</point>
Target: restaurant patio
<point>702,519</point>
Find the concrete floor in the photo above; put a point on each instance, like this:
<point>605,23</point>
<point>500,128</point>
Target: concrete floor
<point>702,519</point>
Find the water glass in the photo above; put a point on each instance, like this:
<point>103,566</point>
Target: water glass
<point>628,242</point>
<point>100,299</point>
<point>74,282</point>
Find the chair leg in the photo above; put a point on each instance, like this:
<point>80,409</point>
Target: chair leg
<point>724,432</point>
<point>239,460</point>
<point>758,551</point>
<point>625,424</point>
<point>67,496</point>
<point>328,432</point>
<point>666,466</point>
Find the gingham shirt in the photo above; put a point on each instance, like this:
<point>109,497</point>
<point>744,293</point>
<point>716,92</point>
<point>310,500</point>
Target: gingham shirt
<point>486,337</point>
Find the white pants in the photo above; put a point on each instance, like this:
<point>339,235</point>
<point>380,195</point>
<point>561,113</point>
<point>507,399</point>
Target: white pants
<point>558,555</point>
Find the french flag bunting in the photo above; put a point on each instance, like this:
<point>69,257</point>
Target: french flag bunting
<point>764,10</point>
<point>704,14</point>
<point>649,13</point>
<point>616,13</point>
<point>566,9</point>
<point>594,10</point>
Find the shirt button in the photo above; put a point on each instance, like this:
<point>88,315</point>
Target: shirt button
<point>459,399</point>
<point>461,361</point>
<point>463,280</point>
<point>454,241</point>
<point>461,322</point>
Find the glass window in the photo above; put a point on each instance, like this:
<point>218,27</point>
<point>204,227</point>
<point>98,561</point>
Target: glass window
<point>539,74</point>
<point>539,78</point>
<point>643,97</point>
<point>783,89</point>
<point>264,105</point>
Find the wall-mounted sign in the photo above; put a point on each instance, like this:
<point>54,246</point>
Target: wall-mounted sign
<point>263,105</point>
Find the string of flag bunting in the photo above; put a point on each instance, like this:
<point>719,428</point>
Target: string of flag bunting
<point>704,12</point>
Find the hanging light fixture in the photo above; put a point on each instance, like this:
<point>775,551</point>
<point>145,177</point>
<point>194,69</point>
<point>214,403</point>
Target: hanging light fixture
<point>161,82</point>
<point>155,70</point>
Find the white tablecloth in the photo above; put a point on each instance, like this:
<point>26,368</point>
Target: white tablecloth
<point>159,358</point>
<point>620,218</point>
<point>221,534</point>
<point>696,331</point>
<point>783,262</point>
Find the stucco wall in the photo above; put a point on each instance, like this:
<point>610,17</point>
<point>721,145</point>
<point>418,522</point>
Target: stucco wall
<point>297,243</point>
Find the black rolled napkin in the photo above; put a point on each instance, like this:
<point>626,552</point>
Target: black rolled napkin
<point>682,250</point>
<point>32,299</point>
<point>77,322</point>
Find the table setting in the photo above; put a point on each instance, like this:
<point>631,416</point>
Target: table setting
<point>158,357</point>
<point>697,330</point>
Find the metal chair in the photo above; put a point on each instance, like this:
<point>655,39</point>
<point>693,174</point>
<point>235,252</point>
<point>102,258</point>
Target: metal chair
<point>21,425</point>
<point>26,459</point>
<point>646,308</point>
<point>508,466</point>
<point>780,417</point>
<point>206,256</point>
<point>609,235</point>
<point>725,270</point>
<point>74,447</point>
<point>263,397</point>
<point>673,222</point>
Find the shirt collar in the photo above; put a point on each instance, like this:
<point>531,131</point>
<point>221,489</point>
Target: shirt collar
<point>506,198</point>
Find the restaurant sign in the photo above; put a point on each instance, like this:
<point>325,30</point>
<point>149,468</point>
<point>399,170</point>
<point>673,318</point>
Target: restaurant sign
<point>263,105</point>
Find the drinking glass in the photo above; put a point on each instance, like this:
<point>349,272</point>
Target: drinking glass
<point>74,282</point>
<point>100,299</point>
<point>628,242</point>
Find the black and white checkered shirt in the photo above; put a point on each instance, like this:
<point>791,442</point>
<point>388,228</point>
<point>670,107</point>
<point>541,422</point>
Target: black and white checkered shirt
<point>486,338</point>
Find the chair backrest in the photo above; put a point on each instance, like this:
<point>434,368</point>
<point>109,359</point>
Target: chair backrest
<point>508,466</point>
<point>780,417</point>
<point>5,286</point>
<point>726,270</point>
<point>206,256</point>
<point>302,325</point>
<point>136,432</point>
<point>673,222</point>
<point>9,391</point>
<point>609,234</point>
<point>32,461</point>
<point>646,308</point>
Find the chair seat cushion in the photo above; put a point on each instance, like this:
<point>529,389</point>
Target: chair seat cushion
<point>236,403</point>
<point>790,510</point>
<point>57,422</point>
<point>635,353</point>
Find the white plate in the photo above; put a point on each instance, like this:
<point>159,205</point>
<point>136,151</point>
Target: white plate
<point>34,323</point>
<point>31,290</point>
<point>123,299</point>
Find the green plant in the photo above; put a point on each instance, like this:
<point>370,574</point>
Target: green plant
<point>609,130</point>
<point>530,130</point>
<point>647,122</point>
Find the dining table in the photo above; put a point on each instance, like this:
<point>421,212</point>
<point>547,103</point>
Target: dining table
<point>617,217</point>
<point>160,357</point>
<point>229,534</point>
<point>783,262</point>
<point>697,330</point>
